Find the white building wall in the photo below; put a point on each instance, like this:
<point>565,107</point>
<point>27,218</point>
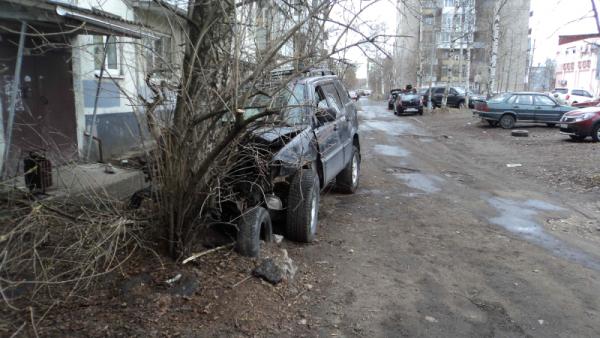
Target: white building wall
<point>576,65</point>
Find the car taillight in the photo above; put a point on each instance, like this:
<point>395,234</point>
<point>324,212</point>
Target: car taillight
<point>482,106</point>
<point>567,97</point>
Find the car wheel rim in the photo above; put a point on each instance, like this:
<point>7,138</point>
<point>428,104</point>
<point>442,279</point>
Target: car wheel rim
<point>598,134</point>
<point>314,207</point>
<point>354,170</point>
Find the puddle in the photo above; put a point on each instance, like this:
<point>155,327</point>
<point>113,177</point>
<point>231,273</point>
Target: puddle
<point>426,183</point>
<point>520,218</point>
<point>393,128</point>
<point>394,151</point>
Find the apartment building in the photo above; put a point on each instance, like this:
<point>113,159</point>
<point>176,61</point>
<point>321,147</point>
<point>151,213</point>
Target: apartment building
<point>444,34</point>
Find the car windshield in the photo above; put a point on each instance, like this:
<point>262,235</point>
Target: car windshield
<point>499,97</point>
<point>560,90</point>
<point>460,90</point>
<point>289,102</point>
<point>422,91</point>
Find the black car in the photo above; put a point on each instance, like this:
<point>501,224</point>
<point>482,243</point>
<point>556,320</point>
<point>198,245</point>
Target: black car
<point>392,98</point>
<point>312,141</point>
<point>456,97</point>
<point>408,103</point>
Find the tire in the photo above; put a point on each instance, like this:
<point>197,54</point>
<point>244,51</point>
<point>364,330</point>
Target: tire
<point>507,121</point>
<point>596,133</point>
<point>303,207</point>
<point>461,105</point>
<point>347,180</point>
<point>551,125</point>
<point>577,137</point>
<point>519,133</point>
<point>252,225</point>
<point>492,123</point>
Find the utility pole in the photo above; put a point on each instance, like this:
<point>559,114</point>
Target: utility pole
<point>420,71</point>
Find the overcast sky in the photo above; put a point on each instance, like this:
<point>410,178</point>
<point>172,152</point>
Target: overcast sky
<point>550,19</point>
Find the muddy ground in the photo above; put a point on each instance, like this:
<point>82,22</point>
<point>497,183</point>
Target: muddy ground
<point>441,240</point>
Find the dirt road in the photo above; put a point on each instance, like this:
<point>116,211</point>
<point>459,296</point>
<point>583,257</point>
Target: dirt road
<point>443,239</point>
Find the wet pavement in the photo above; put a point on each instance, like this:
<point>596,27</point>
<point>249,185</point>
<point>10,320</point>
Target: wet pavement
<point>439,242</point>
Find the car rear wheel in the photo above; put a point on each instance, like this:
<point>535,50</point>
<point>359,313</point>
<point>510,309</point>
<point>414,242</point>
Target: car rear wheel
<point>254,225</point>
<point>303,207</point>
<point>596,133</point>
<point>347,180</point>
<point>461,105</point>
<point>507,121</point>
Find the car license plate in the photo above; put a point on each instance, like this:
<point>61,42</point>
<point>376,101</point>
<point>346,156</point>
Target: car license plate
<point>564,125</point>
<point>410,109</point>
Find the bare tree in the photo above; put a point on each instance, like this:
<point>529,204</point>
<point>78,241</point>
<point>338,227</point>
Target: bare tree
<point>495,40</point>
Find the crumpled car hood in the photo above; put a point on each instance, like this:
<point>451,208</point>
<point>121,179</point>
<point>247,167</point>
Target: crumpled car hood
<point>272,133</point>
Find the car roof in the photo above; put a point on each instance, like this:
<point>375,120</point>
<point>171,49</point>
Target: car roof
<point>525,93</point>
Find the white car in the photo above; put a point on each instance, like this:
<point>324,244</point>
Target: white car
<point>570,95</point>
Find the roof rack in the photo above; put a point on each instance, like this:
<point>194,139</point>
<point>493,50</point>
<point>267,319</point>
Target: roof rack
<point>318,72</point>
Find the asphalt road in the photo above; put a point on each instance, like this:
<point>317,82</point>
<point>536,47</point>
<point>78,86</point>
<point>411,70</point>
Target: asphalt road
<point>440,242</point>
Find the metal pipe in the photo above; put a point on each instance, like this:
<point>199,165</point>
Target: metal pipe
<point>93,124</point>
<point>13,96</point>
<point>99,141</point>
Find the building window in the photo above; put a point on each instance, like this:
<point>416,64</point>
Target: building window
<point>447,21</point>
<point>158,52</point>
<point>112,52</point>
<point>428,20</point>
<point>449,3</point>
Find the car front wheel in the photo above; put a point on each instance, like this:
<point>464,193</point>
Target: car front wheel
<point>303,207</point>
<point>254,225</point>
<point>507,121</point>
<point>596,133</point>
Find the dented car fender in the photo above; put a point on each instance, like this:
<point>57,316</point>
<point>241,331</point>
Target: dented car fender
<point>300,151</point>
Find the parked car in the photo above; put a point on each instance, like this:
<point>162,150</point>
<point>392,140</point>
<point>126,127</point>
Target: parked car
<point>571,96</point>
<point>392,98</point>
<point>456,96</point>
<point>581,123</point>
<point>408,103</point>
<point>507,108</point>
<point>311,142</point>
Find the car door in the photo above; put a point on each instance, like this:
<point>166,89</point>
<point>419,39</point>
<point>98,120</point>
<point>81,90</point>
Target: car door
<point>546,109</point>
<point>348,122</point>
<point>438,95</point>
<point>452,97</point>
<point>523,107</point>
<point>327,133</point>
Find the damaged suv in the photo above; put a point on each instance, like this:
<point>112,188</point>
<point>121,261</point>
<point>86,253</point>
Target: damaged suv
<point>285,161</point>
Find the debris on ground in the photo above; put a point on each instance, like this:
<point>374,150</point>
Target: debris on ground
<point>274,270</point>
<point>277,238</point>
<point>431,319</point>
<point>514,165</point>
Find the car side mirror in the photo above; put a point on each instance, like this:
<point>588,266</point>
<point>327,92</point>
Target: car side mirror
<point>326,115</point>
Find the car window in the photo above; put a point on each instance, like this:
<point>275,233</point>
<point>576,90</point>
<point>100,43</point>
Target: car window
<point>500,98</point>
<point>439,90</point>
<point>453,91</point>
<point>543,100</point>
<point>460,90</point>
<point>524,100</point>
<point>342,93</point>
<point>560,90</point>
<point>578,92</point>
<point>586,93</point>
<point>332,97</point>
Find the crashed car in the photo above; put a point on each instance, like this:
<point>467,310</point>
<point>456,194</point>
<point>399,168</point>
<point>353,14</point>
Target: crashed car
<point>287,159</point>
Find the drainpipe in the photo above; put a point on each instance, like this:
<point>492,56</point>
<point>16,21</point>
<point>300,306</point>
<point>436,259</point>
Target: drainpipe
<point>13,97</point>
<point>93,124</point>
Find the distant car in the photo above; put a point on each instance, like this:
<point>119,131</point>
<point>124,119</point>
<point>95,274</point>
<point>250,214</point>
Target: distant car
<point>408,103</point>
<point>572,96</point>
<point>353,95</point>
<point>592,103</point>
<point>507,108</point>
<point>456,96</point>
<point>392,98</point>
<point>581,123</point>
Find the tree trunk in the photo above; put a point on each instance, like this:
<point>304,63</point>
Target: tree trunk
<point>491,87</point>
